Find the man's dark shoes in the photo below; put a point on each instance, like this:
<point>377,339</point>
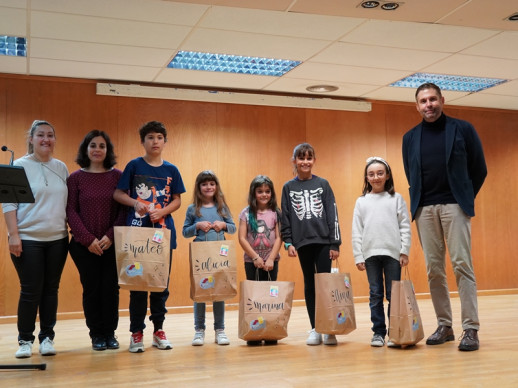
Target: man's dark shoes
<point>469,340</point>
<point>98,343</point>
<point>112,343</point>
<point>441,335</point>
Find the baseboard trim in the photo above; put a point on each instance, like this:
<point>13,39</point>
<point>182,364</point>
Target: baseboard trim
<point>235,306</point>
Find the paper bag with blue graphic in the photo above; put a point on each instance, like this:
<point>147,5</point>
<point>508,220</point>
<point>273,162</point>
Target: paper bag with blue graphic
<point>406,327</point>
<point>213,270</point>
<point>264,309</point>
<point>142,257</point>
<point>334,306</point>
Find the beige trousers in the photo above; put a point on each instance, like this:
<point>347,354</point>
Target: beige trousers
<point>441,226</point>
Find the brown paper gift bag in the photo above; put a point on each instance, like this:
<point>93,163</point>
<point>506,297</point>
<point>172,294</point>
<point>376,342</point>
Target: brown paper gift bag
<point>406,327</point>
<point>213,270</point>
<point>334,306</point>
<point>142,257</point>
<point>264,309</point>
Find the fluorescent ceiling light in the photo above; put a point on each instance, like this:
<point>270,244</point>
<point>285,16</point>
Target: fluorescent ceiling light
<point>13,46</point>
<point>449,82</point>
<point>215,96</point>
<point>192,60</point>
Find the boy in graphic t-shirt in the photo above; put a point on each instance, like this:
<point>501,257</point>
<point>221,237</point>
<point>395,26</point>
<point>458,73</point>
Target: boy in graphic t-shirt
<point>151,187</point>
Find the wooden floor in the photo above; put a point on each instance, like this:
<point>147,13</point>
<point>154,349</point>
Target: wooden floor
<point>289,364</point>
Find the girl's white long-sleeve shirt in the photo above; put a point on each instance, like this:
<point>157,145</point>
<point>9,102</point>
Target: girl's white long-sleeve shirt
<point>381,227</point>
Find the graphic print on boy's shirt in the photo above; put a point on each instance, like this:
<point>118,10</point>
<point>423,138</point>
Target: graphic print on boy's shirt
<point>148,193</point>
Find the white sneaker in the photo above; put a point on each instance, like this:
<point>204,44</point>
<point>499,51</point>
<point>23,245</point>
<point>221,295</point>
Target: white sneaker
<point>47,347</point>
<point>25,350</point>
<point>377,340</point>
<point>391,344</point>
<point>199,338</point>
<point>314,338</point>
<point>136,342</point>
<point>221,337</point>
<point>160,341</point>
<point>330,339</point>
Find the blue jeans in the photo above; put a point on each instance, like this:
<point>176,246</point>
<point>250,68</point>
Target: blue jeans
<point>138,306</point>
<point>39,269</point>
<point>218,309</point>
<point>376,267</point>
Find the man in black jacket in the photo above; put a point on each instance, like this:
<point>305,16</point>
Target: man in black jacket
<point>445,168</point>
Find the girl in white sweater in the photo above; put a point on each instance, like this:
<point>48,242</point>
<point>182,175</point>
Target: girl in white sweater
<point>380,239</point>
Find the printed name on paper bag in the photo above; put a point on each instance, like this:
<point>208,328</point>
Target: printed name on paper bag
<point>223,251</point>
<point>140,247</point>
<point>340,296</point>
<point>211,264</point>
<point>260,306</point>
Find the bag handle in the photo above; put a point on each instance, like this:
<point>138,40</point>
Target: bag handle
<point>257,275</point>
<point>332,262</point>
<point>406,273</point>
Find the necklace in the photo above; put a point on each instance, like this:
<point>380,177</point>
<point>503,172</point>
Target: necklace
<point>43,166</point>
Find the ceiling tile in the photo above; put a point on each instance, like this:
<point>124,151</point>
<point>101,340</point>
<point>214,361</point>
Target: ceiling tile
<point>100,53</point>
<point>104,30</point>
<point>503,45</point>
<point>13,22</point>
<point>377,56</point>
<point>488,101</point>
<point>507,89</point>
<point>15,65</point>
<point>154,11</point>
<point>298,86</point>
<point>248,44</point>
<point>340,73</point>
<point>278,23</point>
<point>418,36</point>
<point>273,5</point>
<point>476,66</point>
<point>212,79</point>
<point>58,68</point>
<point>408,10</point>
<point>484,14</point>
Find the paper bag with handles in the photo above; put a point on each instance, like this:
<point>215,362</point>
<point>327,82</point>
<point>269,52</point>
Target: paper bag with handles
<point>143,257</point>
<point>213,270</point>
<point>405,327</point>
<point>264,309</point>
<point>334,306</point>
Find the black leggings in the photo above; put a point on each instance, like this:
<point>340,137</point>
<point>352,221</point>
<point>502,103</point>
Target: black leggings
<point>39,269</point>
<point>313,257</point>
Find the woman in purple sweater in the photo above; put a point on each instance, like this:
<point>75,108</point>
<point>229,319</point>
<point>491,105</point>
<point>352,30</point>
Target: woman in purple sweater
<point>92,213</point>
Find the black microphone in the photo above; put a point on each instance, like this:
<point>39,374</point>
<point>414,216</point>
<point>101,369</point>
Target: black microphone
<point>4,148</point>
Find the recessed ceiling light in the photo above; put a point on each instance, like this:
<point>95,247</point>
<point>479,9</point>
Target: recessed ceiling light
<point>513,17</point>
<point>192,60</point>
<point>13,46</point>
<point>390,6</point>
<point>322,88</point>
<point>370,4</point>
<point>449,82</point>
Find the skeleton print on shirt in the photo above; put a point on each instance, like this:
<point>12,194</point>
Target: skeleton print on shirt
<point>307,203</point>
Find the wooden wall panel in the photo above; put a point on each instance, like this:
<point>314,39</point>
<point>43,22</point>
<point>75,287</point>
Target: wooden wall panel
<point>238,142</point>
